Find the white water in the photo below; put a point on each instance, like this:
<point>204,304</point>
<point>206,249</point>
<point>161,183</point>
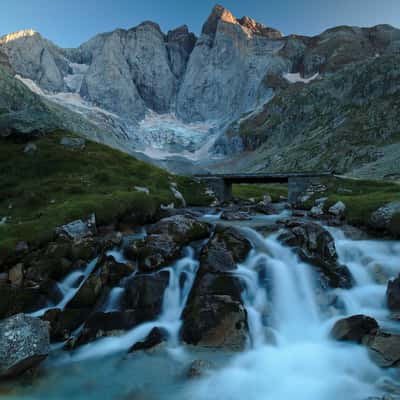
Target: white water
<point>173,303</point>
<point>290,353</point>
<point>301,361</point>
<point>69,287</point>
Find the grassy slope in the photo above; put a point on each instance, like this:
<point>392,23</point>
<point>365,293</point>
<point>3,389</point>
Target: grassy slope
<point>257,192</point>
<point>362,197</point>
<point>57,185</point>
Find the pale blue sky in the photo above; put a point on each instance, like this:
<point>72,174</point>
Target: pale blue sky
<point>71,22</point>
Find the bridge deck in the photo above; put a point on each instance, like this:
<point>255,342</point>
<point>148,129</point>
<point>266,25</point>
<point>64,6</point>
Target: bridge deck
<point>264,178</point>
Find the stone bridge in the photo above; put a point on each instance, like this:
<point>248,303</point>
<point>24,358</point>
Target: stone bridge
<point>221,184</point>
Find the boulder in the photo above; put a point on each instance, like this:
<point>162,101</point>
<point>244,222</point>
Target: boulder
<point>384,349</point>
<point>386,218</point>
<point>354,329</point>
<point>227,247</point>
<point>316,246</point>
<point>145,294</point>
<point>24,344</point>
<point>153,339</point>
<point>64,322</point>
<point>393,294</point>
<point>338,209</point>
<point>88,294</point>
<point>78,229</point>
<point>14,300</point>
<point>215,321</point>
<point>16,275</point>
<point>165,241</point>
<point>112,272</point>
<point>101,324</point>
<point>316,211</point>
<point>214,315</point>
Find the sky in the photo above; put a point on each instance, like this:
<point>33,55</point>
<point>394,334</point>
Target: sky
<point>69,23</point>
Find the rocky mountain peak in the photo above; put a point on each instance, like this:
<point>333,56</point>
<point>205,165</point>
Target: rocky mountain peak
<point>18,35</point>
<point>260,29</point>
<point>218,13</point>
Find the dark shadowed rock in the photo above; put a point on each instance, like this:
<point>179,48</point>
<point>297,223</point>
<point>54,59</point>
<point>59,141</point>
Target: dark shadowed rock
<point>145,294</point>
<point>354,329</point>
<point>316,246</point>
<point>393,294</point>
<point>64,322</point>
<point>88,294</point>
<point>384,349</point>
<point>235,216</point>
<point>14,300</point>
<point>166,239</point>
<point>24,343</point>
<point>214,315</point>
<point>102,324</point>
<point>153,339</point>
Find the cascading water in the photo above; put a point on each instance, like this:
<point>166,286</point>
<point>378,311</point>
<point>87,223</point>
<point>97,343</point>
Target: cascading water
<point>290,352</point>
<point>302,361</point>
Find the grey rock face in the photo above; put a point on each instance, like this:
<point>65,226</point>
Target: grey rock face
<point>225,73</point>
<point>25,342</point>
<point>382,218</point>
<point>36,58</point>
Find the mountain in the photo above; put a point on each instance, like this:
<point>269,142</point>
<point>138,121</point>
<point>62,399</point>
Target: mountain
<point>242,96</point>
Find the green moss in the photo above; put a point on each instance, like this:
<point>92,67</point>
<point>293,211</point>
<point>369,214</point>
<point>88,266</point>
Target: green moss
<point>257,192</point>
<point>55,185</point>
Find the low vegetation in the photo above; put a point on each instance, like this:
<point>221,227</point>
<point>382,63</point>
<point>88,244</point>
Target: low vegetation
<point>57,184</point>
<point>362,197</point>
<point>257,192</point>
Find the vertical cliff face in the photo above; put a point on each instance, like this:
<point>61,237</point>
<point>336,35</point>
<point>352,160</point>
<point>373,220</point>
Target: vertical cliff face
<point>225,73</point>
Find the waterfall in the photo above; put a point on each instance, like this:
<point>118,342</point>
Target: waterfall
<point>301,361</point>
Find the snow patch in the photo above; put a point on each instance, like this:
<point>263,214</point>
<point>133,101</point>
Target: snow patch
<point>296,77</point>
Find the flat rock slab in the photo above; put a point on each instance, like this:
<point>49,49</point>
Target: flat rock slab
<point>25,342</point>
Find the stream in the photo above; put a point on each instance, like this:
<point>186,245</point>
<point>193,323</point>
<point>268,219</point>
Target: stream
<point>289,355</point>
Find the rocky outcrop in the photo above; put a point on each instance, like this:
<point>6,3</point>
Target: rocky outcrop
<point>387,218</point>
<point>24,344</point>
<point>315,245</point>
<point>165,241</point>
<point>153,339</point>
<point>354,329</point>
<point>214,315</point>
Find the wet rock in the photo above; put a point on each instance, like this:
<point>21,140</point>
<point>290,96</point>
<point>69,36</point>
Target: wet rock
<point>316,246</point>
<point>386,218</point>
<point>265,208</point>
<point>316,211</point>
<point>153,339</point>
<point>166,239</point>
<point>393,294</point>
<point>14,300</point>
<point>89,293</point>
<point>226,248</point>
<point>145,293</point>
<point>215,321</point>
<point>354,329</point>
<point>101,324</point>
<point>64,322</point>
<point>83,249</point>
<point>199,368</point>
<point>214,315</point>
<point>338,210</point>
<point>112,272</point>
<point>384,349</point>
<point>24,344</point>
<point>235,216</point>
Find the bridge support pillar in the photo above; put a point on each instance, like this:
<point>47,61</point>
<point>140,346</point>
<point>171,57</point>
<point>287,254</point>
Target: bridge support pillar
<point>297,186</point>
<point>221,188</point>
